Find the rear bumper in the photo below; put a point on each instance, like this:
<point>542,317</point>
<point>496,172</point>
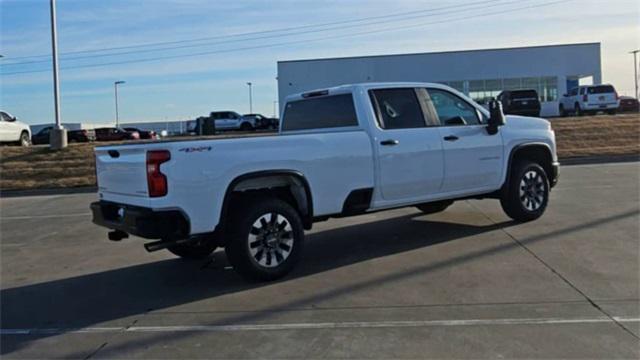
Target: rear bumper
<point>141,221</point>
<point>609,106</point>
<point>555,174</point>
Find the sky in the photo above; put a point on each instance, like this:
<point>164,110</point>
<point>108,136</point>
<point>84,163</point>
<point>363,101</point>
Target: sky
<point>208,62</point>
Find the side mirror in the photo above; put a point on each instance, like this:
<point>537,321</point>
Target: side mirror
<point>12,119</point>
<point>496,117</point>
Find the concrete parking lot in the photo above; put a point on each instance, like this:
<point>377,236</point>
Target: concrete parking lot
<point>465,283</point>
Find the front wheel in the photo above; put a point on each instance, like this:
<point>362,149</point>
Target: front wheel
<point>246,127</point>
<point>265,239</point>
<point>24,139</point>
<point>526,195</point>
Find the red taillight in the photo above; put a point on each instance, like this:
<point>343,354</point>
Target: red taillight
<point>585,98</point>
<point>156,180</point>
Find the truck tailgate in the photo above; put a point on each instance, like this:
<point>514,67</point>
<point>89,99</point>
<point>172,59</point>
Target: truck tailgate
<point>122,171</point>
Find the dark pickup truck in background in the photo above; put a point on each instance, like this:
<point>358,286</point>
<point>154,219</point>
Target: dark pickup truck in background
<point>520,102</point>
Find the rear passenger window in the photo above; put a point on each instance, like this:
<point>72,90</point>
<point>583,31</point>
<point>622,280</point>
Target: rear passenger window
<point>320,113</point>
<point>397,108</point>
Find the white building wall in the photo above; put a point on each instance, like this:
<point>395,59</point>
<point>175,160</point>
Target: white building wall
<point>561,61</point>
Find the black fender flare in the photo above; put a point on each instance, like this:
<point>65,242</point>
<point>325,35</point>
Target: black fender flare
<point>306,209</point>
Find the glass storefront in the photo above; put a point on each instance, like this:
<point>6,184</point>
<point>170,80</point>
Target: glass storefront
<point>483,90</point>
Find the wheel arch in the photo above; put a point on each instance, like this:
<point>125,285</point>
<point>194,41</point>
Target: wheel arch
<point>267,181</point>
<point>537,152</point>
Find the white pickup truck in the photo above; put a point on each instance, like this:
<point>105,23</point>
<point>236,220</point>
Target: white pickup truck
<point>341,151</point>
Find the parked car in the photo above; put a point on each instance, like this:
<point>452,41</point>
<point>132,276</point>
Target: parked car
<point>520,102</point>
<point>262,122</point>
<point>115,134</point>
<point>13,131</point>
<point>629,104</point>
<point>84,135</point>
<point>347,150</point>
<point>230,120</point>
<point>144,134</point>
<point>589,99</point>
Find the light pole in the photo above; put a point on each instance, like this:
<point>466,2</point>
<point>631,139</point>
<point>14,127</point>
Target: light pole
<point>58,135</point>
<point>635,70</point>
<point>250,98</point>
<point>274,108</point>
<point>115,87</point>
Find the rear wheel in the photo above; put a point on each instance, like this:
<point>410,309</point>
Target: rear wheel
<point>434,207</point>
<point>526,195</point>
<point>246,127</point>
<point>266,239</point>
<point>611,112</point>
<point>577,110</point>
<point>563,112</point>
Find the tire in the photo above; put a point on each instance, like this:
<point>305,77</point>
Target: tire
<point>434,207</point>
<point>577,110</point>
<point>24,139</point>
<point>261,246</point>
<point>246,127</point>
<point>526,196</point>
<point>194,251</point>
<point>611,112</point>
<point>563,113</point>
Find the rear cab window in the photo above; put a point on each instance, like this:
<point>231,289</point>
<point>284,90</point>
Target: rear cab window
<point>601,89</point>
<point>524,94</point>
<point>324,112</point>
<point>397,108</point>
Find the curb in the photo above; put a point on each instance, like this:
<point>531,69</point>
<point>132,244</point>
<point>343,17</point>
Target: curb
<point>589,160</point>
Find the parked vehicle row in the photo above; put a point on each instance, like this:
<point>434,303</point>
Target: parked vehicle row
<point>84,135</point>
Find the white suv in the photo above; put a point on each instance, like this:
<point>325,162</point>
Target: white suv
<point>14,131</point>
<point>589,99</point>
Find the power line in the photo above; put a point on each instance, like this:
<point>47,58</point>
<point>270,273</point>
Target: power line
<point>259,32</point>
<point>468,8</point>
<point>295,42</point>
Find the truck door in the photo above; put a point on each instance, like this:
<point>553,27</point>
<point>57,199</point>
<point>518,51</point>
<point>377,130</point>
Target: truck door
<point>409,149</point>
<point>472,157</point>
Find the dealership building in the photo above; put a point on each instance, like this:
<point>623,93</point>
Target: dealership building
<point>481,74</point>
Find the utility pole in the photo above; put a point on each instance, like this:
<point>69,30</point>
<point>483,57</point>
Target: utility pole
<point>115,87</point>
<point>250,98</point>
<point>635,69</point>
<point>58,135</point>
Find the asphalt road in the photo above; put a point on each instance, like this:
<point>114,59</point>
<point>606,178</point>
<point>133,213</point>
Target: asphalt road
<point>465,283</point>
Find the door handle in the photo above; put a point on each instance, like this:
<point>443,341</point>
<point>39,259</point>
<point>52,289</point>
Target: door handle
<point>451,138</point>
<point>389,142</point>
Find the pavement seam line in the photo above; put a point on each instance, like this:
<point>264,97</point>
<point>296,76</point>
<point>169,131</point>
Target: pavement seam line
<point>574,287</point>
<point>117,330</point>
